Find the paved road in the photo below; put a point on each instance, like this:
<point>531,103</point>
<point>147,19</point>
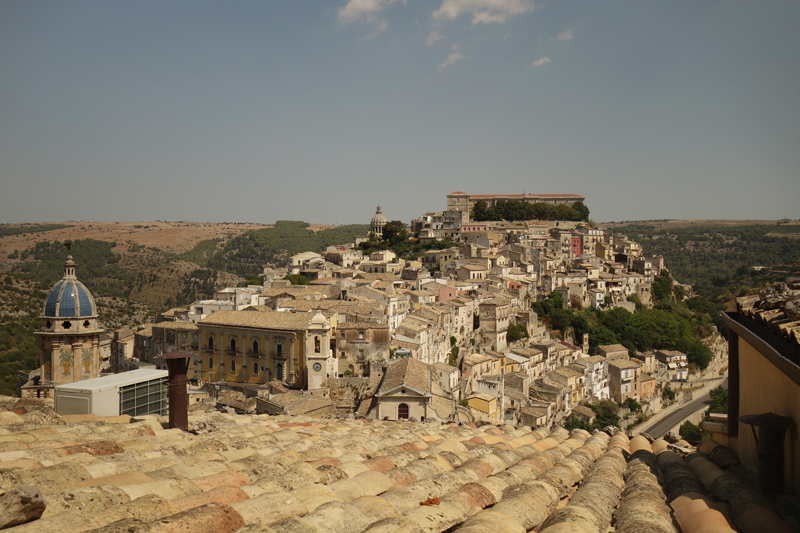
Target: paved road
<point>660,428</point>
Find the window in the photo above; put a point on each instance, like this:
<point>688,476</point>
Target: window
<point>233,365</point>
<point>279,348</point>
<point>402,411</point>
<point>233,344</point>
<point>317,345</point>
<point>211,363</point>
<point>279,372</point>
<point>211,343</point>
<point>361,335</point>
<point>255,368</point>
<point>255,348</point>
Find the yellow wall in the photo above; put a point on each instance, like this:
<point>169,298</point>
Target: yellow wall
<point>765,389</point>
<point>490,408</point>
<point>244,343</point>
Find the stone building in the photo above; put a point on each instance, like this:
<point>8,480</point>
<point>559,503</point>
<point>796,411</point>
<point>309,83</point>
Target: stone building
<point>256,347</point>
<point>494,323</point>
<point>463,202</point>
<point>69,336</point>
<point>623,379</point>
<point>358,343</point>
<point>411,390</point>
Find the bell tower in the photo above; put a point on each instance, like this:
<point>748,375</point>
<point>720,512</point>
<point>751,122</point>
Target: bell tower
<point>69,336</point>
<point>320,363</point>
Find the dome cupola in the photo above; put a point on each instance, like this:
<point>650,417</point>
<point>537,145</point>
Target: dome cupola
<point>378,222</point>
<point>69,298</point>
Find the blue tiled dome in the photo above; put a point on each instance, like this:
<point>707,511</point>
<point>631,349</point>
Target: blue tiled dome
<point>69,298</point>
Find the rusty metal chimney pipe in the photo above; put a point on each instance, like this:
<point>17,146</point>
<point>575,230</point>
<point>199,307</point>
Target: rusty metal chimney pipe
<point>177,365</point>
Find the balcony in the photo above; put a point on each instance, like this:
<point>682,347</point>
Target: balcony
<point>209,350</point>
<point>233,353</point>
<point>251,353</point>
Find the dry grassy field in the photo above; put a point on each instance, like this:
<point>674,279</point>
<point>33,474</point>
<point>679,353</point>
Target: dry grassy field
<point>662,224</point>
<point>174,237</point>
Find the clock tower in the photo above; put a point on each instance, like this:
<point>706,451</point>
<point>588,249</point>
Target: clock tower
<point>320,363</point>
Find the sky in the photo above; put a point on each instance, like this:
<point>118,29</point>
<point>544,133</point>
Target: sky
<point>254,111</point>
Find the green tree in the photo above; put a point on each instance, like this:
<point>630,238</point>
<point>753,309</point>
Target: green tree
<point>607,413</point>
<point>252,279</point>
<point>554,300</point>
<point>636,300</point>
<point>691,432</point>
<point>560,319</point>
<point>580,325</point>
<point>662,287</point>
<point>517,332</point>
<point>719,401</point>
<point>600,336</point>
<point>576,423</point>
<point>581,211</point>
<point>297,279</point>
<point>394,232</point>
<point>480,211</point>
<point>633,405</point>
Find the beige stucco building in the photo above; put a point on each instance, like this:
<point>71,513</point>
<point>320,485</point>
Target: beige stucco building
<point>256,347</point>
<point>764,377</point>
<point>411,389</point>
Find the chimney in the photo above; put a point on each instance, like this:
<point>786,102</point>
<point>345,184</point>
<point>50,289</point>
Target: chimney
<point>177,365</point>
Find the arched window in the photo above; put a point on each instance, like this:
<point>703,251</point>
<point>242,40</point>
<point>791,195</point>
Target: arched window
<point>233,365</point>
<point>317,345</point>
<point>402,412</point>
<point>255,368</point>
<point>233,344</point>
<point>210,343</point>
<point>211,363</point>
<point>255,347</point>
<point>279,372</point>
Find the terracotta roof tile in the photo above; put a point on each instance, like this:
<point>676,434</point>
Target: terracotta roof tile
<point>265,320</point>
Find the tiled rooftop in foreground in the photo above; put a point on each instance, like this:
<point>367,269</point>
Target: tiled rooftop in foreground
<point>265,474</point>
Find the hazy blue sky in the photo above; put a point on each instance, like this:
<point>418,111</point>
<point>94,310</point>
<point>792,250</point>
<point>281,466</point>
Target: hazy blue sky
<point>318,111</point>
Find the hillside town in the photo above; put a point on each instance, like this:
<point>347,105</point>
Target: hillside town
<point>359,392</point>
<point>449,336</point>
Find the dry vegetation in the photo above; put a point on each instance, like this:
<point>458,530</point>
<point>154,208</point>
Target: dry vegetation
<point>667,224</point>
<point>174,237</point>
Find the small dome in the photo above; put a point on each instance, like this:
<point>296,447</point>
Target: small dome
<point>69,298</point>
<point>378,221</point>
<point>318,319</point>
<point>378,218</point>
